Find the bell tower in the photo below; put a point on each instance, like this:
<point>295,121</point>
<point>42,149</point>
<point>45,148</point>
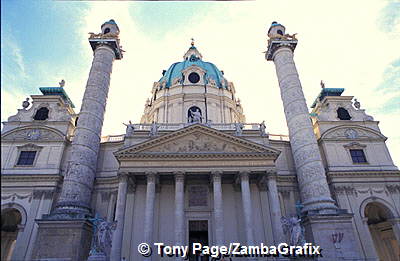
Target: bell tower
<point>67,225</point>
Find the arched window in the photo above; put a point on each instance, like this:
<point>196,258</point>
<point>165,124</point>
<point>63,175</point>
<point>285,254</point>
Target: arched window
<point>106,31</point>
<point>343,114</point>
<point>280,32</point>
<point>194,115</point>
<point>41,114</point>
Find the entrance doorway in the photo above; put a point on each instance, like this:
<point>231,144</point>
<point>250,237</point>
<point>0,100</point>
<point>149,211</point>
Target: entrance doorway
<point>198,233</point>
<point>382,233</point>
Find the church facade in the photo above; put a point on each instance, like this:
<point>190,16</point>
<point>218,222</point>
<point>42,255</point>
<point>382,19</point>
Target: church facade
<point>193,170</point>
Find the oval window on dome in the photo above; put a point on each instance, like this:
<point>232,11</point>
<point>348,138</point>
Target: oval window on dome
<point>194,77</point>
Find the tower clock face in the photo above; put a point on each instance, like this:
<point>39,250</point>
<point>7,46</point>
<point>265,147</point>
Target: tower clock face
<point>194,77</point>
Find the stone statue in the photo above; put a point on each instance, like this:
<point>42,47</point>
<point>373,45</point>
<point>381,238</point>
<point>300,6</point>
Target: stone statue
<point>238,128</point>
<point>293,229</point>
<point>357,104</point>
<point>153,129</point>
<point>102,236</point>
<point>26,103</point>
<point>262,129</point>
<point>129,129</point>
<point>196,116</point>
<point>62,83</point>
<point>322,84</point>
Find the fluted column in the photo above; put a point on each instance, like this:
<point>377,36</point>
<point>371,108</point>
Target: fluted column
<point>247,206</point>
<point>116,246</point>
<point>275,208</point>
<point>149,210</point>
<point>218,208</point>
<point>179,208</point>
<point>311,177</point>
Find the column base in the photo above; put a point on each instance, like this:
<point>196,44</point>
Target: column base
<point>97,257</point>
<point>335,235</point>
<point>63,240</point>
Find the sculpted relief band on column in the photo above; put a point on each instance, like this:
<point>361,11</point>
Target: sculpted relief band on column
<point>310,171</point>
<point>78,181</point>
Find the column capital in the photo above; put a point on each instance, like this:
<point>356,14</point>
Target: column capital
<point>151,176</point>
<point>244,174</point>
<point>275,45</point>
<point>179,176</point>
<point>216,175</point>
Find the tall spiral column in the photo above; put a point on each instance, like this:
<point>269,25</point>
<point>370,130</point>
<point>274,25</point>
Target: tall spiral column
<point>66,233</point>
<point>78,181</point>
<point>311,177</point>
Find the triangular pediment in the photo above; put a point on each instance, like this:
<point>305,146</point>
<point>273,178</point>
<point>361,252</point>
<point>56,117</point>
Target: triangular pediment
<point>197,139</point>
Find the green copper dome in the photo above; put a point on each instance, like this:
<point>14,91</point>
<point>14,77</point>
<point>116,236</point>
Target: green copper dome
<point>193,57</point>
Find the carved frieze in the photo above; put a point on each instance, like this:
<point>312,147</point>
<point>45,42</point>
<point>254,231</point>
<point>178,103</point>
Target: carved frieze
<point>33,134</point>
<point>393,188</point>
<point>345,190</point>
<point>198,142</point>
<point>352,133</point>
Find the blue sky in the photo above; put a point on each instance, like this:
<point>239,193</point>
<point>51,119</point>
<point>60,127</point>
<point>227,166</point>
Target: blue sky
<point>348,44</point>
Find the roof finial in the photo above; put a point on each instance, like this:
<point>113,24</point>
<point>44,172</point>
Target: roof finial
<point>322,84</point>
<point>192,43</point>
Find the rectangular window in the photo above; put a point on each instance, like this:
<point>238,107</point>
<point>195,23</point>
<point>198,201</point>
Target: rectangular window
<point>26,158</point>
<point>358,156</point>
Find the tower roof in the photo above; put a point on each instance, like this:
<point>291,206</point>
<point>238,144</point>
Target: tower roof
<point>193,57</point>
<point>327,92</point>
<point>57,91</point>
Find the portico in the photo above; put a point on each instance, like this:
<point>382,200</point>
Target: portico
<point>187,187</point>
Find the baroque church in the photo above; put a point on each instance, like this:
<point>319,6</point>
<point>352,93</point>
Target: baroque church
<point>193,170</point>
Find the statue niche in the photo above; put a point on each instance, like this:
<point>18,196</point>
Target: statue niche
<point>194,115</point>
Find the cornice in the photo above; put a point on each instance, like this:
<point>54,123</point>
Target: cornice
<point>199,155</point>
<point>35,177</point>
<point>365,174</point>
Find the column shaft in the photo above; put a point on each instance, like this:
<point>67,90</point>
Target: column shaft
<point>310,170</point>
<point>116,246</point>
<point>247,207</point>
<point>78,181</point>
<point>275,210</point>
<point>179,209</point>
<point>218,210</point>
<point>149,211</point>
